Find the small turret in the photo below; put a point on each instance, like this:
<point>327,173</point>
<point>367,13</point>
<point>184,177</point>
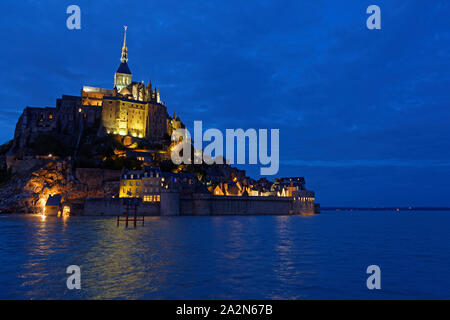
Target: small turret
<point>158,98</point>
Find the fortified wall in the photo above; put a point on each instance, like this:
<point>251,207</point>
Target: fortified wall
<point>115,207</point>
<point>175,204</point>
<point>212,205</point>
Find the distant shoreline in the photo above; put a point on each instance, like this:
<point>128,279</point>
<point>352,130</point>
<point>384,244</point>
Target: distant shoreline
<point>385,209</point>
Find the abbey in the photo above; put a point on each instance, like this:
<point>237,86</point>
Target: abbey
<point>129,108</point>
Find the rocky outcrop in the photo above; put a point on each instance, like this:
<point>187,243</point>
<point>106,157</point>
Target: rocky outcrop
<point>27,190</point>
<point>49,180</point>
<point>12,199</point>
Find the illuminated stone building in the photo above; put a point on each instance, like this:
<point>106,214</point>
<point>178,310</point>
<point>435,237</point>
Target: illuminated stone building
<point>131,108</point>
<point>174,124</point>
<point>144,184</point>
<point>228,189</point>
<point>67,120</point>
<point>147,183</point>
<point>285,187</point>
<point>130,184</point>
<point>125,117</point>
<point>92,96</point>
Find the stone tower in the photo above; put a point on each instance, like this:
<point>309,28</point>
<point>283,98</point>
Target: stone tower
<point>122,78</point>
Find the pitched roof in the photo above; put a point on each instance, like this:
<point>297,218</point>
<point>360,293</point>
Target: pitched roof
<point>123,68</point>
<point>125,91</point>
<point>152,169</point>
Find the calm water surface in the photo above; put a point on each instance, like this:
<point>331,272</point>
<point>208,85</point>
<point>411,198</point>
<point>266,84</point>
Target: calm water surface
<point>258,257</point>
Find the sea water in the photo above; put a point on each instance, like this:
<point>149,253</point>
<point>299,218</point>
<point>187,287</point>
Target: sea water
<point>228,257</point>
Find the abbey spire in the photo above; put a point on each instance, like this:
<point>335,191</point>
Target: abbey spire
<point>124,57</point>
<point>122,77</point>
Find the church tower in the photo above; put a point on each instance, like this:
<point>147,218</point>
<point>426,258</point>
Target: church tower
<point>122,77</point>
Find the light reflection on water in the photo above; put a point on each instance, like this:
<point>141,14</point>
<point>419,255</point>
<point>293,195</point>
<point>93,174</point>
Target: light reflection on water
<point>258,257</point>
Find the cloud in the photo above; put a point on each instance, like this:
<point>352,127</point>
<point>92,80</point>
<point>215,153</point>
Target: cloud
<point>336,90</point>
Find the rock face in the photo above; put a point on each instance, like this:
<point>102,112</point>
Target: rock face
<point>28,190</point>
<point>49,180</point>
<point>12,199</point>
<point>96,178</point>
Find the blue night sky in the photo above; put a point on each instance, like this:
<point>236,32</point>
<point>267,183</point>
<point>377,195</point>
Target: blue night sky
<point>363,115</point>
